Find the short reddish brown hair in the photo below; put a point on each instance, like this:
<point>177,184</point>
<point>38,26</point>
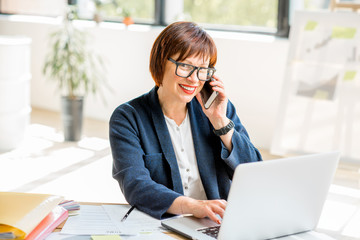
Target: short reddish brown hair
<point>184,38</point>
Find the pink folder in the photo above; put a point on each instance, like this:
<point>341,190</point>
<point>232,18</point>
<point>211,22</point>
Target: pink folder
<point>48,224</point>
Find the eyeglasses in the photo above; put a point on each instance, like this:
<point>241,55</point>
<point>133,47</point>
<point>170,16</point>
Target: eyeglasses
<point>185,70</point>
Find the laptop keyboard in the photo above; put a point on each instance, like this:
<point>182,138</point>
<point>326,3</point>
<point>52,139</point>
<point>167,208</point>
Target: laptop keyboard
<point>210,231</point>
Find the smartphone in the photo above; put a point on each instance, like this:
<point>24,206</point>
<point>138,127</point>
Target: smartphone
<point>208,95</point>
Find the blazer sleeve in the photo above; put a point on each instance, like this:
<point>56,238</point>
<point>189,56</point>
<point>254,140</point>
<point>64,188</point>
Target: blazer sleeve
<point>129,167</point>
<point>243,150</point>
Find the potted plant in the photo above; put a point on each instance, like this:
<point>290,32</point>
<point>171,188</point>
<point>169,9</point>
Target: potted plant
<point>76,70</point>
<point>100,5</point>
<point>124,11</point>
<point>127,17</point>
<point>97,14</point>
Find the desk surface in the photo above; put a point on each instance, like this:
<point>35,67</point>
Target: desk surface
<point>172,234</point>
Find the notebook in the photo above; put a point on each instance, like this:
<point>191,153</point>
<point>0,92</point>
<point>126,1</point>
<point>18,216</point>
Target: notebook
<point>269,199</point>
<point>20,213</point>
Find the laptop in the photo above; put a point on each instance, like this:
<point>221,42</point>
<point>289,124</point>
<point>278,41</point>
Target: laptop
<point>268,199</point>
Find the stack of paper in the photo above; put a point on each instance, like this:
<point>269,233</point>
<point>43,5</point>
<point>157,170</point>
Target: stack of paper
<point>105,221</point>
<point>29,215</point>
<point>72,206</point>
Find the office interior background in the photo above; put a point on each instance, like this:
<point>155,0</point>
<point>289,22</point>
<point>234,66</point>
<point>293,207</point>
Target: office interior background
<point>253,46</point>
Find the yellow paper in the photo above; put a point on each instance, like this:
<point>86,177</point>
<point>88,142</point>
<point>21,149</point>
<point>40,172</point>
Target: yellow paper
<point>106,237</point>
<point>310,25</point>
<point>349,75</point>
<point>20,213</point>
<point>343,32</point>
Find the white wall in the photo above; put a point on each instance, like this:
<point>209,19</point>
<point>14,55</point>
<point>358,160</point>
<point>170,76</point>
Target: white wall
<point>40,7</point>
<point>251,66</point>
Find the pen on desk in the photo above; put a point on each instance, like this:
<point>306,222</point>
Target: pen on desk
<point>127,214</point>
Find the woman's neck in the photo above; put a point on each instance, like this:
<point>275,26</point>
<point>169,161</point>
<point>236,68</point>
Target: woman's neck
<point>174,110</point>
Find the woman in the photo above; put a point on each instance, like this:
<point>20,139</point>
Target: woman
<point>171,155</point>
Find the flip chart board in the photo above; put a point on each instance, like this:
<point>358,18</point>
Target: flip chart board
<point>320,101</point>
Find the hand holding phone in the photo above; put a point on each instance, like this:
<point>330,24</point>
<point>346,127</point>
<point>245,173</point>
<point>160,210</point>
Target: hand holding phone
<point>208,95</point>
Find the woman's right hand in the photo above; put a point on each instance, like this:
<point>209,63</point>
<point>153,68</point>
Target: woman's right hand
<point>199,208</point>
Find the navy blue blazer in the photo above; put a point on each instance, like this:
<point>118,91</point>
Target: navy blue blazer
<point>144,161</point>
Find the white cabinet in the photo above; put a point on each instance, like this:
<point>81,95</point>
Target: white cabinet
<point>15,78</point>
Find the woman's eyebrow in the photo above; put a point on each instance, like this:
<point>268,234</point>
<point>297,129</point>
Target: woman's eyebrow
<point>201,64</point>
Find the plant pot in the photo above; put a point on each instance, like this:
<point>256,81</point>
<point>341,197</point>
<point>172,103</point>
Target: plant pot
<point>72,116</point>
<point>97,18</point>
<point>128,21</point>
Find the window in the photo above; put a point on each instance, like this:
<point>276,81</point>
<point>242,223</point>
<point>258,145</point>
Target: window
<point>308,5</point>
<point>142,11</point>
<point>317,5</point>
<point>260,16</point>
<point>240,15</point>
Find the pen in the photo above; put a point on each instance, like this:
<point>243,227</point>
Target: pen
<point>127,214</point>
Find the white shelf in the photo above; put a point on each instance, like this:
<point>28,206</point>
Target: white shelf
<point>15,79</point>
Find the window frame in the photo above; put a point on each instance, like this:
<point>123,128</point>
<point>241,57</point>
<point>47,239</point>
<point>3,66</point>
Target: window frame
<point>282,29</point>
<point>283,22</point>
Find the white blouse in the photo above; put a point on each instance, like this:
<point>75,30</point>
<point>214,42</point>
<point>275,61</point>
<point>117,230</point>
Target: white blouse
<point>183,144</point>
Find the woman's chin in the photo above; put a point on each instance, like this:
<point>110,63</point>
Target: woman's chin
<point>187,98</point>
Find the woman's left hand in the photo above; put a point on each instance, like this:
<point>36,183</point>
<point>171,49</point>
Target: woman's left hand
<point>217,111</point>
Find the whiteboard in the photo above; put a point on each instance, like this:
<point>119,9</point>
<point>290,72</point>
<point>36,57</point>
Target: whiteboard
<point>320,102</point>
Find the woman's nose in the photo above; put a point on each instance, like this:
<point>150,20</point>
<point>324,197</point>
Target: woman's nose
<point>193,77</point>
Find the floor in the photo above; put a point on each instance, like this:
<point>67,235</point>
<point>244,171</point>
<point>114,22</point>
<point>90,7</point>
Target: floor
<point>81,171</point>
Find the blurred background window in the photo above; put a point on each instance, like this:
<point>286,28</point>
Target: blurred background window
<point>258,16</point>
<point>141,11</point>
<point>318,4</point>
<point>308,5</point>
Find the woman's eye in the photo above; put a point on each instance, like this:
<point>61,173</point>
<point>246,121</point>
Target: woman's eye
<point>184,66</point>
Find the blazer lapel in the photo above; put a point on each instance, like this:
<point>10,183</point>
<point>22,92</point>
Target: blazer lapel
<point>165,140</point>
<point>204,153</point>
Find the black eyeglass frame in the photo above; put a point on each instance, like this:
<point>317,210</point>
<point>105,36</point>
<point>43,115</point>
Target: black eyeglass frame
<point>192,71</point>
